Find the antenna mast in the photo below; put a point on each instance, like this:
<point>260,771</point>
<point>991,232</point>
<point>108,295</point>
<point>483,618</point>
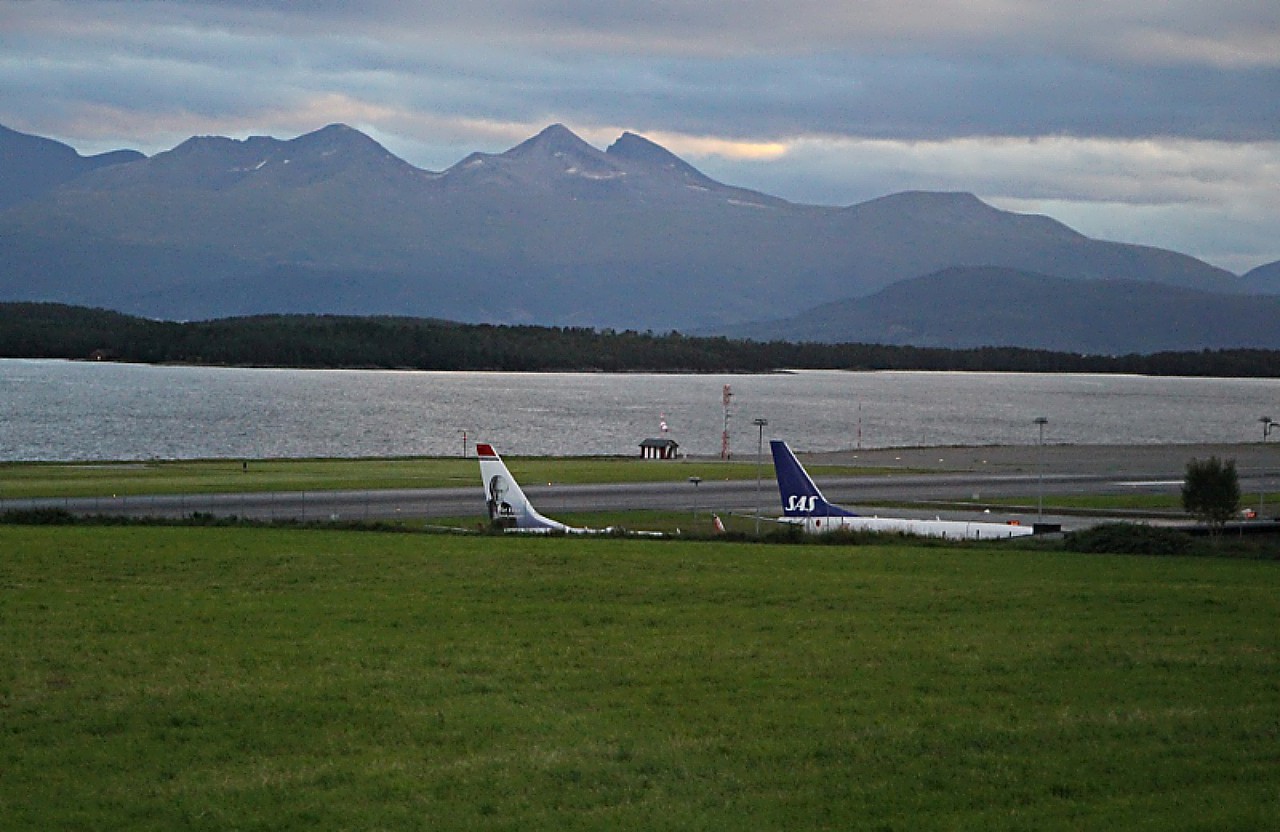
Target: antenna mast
<point>724,437</point>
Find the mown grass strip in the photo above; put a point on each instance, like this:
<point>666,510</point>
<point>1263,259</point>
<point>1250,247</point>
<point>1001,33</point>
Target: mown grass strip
<point>19,480</point>
<point>215,678</point>
<point>1129,502</point>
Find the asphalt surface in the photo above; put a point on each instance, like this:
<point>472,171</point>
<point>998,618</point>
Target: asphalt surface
<point>1134,461</point>
<point>946,482</point>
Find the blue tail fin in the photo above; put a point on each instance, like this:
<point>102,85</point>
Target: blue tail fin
<point>800,497</point>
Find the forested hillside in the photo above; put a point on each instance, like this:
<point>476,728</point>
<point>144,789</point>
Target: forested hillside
<point>41,330</point>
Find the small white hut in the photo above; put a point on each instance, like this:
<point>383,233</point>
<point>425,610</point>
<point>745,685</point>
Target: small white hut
<point>659,449</point>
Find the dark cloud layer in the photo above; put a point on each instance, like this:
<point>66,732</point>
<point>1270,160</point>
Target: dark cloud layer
<point>761,90</point>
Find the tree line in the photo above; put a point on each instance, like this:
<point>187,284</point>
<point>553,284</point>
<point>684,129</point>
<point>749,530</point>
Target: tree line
<point>47,330</point>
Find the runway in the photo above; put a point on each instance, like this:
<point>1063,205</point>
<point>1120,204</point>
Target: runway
<point>952,483</point>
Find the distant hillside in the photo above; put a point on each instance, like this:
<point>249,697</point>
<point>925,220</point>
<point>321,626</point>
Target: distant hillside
<point>552,231</point>
<point>31,166</point>
<point>975,307</point>
<point>46,330</point>
<point>1264,279</point>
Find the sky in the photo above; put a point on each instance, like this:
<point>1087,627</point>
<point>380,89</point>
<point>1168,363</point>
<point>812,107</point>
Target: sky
<point>1145,121</point>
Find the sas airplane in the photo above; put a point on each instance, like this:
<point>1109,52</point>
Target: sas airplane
<point>804,506</point>
<point>509,509</point>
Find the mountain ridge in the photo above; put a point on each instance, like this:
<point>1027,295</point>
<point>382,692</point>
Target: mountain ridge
<point>1264,279</point>
<point>974,307</point>
<point>33,165</point>
<point>218,162</point>
<point>552,231</point>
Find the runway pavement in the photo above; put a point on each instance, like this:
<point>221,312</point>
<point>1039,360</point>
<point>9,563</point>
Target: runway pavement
<point>950,482</point>
<point>1128,461</point>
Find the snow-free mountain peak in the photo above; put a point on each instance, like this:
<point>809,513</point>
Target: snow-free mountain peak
<point>632,149</point>
<point>1264,278</point>
<point>955,211</point>
<point>557,150</point>
<point>635,148</point>
<point>554,140</point>
<point>338,139</point>
<point>30,166</point>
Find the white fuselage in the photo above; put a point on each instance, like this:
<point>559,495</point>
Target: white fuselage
<point>951,529</point>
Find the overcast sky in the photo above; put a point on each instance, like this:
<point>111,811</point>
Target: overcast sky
<point>1148,121</point>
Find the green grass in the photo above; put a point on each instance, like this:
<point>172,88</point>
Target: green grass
<point>222,678</point>
<point>1128,502</point>
<point>1091,502</point>
<point>220,476</point>
<point>19,480</point>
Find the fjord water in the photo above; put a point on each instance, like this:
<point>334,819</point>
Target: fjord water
<point>79,411</point>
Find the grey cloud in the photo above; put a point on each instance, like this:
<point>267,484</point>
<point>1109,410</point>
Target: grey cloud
<point>726,27</point>
<point>446,78</point>
<point>286,51</point>
<point>923,97</point>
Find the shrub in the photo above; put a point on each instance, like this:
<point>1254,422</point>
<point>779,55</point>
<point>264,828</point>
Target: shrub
<point>38,517</point>
<point>1211,491</point>
<point>1128,539</point>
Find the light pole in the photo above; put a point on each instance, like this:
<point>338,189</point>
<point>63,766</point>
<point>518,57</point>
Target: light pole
<point>760,425</point>
<point>1268,425</point>
<point>1040,422</point>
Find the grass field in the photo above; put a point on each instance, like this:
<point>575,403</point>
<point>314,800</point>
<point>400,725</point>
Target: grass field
<point>1134,502</point>
<point>230,678</point>
<point>220,476</point>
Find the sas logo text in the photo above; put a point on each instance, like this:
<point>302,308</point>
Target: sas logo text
<point>801,504</point>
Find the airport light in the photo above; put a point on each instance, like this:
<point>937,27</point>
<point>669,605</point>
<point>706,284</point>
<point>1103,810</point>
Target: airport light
<point>760,425</point>
<point>1040,422</point>
<point>695,481</point>
<point>1268,425</point>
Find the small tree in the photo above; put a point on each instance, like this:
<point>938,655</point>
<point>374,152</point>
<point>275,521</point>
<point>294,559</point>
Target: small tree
<point>1211,491</point>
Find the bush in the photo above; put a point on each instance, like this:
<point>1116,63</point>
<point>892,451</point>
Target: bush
<point>1211,491</point>
<point>38,517</point>
<point>1128,539</point>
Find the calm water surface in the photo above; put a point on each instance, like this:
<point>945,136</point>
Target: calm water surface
<point>60,410</point>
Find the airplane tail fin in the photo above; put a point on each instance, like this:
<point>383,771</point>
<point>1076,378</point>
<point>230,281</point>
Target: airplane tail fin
<point>507,505</point>
<point>800,496</point>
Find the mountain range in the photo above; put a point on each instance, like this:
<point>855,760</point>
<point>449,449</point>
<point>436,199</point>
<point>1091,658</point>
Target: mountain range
<point>557,232</point>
